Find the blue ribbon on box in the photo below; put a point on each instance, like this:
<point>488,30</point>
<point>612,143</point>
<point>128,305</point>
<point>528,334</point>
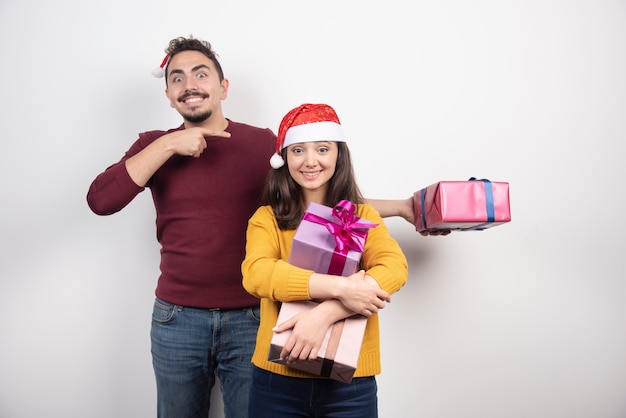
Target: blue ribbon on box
<point>488,200</point>
<point>491,213</point>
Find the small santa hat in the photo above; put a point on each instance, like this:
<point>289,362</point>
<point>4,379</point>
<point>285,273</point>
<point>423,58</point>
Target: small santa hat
<point>307,123</point>
<point>159,72</point>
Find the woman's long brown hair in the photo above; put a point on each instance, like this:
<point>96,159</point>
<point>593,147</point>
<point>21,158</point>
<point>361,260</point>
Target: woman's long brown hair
<point>285,196</point>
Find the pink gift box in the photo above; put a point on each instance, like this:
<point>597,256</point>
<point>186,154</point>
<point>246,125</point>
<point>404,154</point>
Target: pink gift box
<point>339,353</point>
<point>316,248</point>
<point>462,205</point>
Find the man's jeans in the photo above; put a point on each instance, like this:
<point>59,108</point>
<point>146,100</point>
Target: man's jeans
<point>190,347</point>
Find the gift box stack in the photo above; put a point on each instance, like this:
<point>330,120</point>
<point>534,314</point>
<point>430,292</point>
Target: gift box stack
<point>462,205</point>
<point>328,240</point>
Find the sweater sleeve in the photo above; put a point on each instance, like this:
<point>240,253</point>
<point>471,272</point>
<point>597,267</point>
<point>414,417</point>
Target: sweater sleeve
<point>266,272</point>
<point>113,189</point>
<point>382,257</point>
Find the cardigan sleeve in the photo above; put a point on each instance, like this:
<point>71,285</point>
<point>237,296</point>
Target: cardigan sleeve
<point>383,258</point>
<point>266,272</point>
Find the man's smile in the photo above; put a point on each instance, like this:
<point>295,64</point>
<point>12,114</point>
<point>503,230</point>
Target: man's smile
<point>192,98</point>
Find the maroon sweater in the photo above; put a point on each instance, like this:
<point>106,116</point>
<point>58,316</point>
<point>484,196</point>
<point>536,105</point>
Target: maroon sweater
<point>202,211</point>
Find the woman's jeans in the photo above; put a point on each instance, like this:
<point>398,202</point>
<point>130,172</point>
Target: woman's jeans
<point>276,396</point>
<point>192,346</point>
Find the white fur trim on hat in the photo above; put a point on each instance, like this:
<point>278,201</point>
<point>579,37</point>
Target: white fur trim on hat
<point>313,132</point>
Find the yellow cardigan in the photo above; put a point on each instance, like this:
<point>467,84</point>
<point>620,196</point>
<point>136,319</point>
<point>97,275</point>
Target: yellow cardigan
<point>268,276</point>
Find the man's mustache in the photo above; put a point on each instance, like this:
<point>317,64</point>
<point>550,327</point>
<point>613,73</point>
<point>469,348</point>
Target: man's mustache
<point>192,93</point>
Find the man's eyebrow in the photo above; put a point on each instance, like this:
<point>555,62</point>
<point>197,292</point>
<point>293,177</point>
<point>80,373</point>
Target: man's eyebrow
<point>193,70</point>
<point>197,67</point>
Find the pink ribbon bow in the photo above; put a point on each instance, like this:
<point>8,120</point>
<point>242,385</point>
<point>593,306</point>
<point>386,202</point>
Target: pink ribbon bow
<point>349,233</point>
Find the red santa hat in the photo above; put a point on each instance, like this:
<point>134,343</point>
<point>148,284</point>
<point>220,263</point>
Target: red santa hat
<point>159,72</point>
<point>307,123</point>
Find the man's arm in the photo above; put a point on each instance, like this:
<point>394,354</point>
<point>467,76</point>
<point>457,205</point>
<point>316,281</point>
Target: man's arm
<point>400,207</point>
<point>188,142</point>
<point>387,208</point>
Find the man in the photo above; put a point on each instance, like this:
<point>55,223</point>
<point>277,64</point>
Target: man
<point>205,177</point>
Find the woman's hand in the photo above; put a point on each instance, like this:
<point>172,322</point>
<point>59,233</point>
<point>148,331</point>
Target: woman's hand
<point>308,330</point>
<point>361,294</point>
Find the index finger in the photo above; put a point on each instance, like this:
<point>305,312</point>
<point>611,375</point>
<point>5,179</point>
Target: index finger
<point>284,326</point>
<point>211,132</point>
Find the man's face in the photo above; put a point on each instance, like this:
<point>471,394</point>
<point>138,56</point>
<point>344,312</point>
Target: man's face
<point>194,88</point>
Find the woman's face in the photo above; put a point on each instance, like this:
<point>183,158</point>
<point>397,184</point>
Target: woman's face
<point>312,165</point>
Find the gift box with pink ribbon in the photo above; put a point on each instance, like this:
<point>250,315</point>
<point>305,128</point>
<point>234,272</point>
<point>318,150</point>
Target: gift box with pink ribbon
<point>328,240</point>
<point>475,204</point>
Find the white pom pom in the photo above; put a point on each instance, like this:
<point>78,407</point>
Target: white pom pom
<point>277,161</point>
<point>158,72</point>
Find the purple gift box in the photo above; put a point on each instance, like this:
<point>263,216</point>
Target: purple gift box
<point>462,205</point>
<point>328,240</point>
<point>319,236</point>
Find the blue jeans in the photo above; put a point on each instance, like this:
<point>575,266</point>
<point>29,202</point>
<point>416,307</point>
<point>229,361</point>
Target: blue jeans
<point>192,346</point>
<point>275,396</point>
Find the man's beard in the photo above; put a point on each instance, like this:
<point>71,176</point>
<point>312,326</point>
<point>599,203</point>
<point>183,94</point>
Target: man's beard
<point>197,118</point>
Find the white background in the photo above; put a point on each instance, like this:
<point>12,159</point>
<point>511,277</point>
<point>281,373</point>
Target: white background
<point>526,319</point>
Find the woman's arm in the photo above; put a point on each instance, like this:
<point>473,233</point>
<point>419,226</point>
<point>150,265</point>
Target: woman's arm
<point>266,272</point>
<point>359,293</point>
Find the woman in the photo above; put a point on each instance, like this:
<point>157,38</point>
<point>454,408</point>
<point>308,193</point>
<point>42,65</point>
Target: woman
<point>318,169</point>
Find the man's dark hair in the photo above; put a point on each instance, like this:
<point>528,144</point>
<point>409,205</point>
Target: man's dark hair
<point>181,44</point>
